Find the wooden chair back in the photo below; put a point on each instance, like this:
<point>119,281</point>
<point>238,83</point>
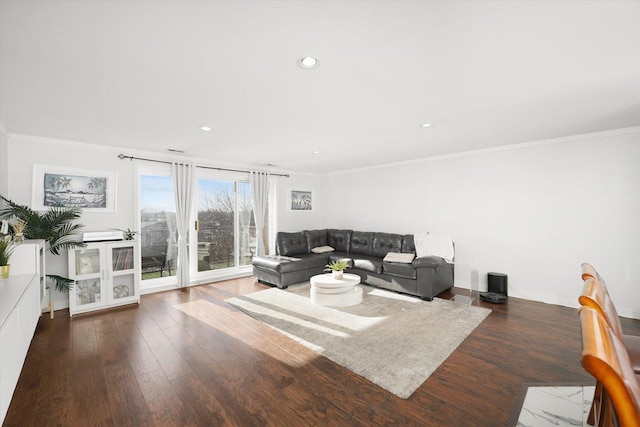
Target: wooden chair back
<point>595,295</point>
<point>606,359</point>
<point>589,271</point>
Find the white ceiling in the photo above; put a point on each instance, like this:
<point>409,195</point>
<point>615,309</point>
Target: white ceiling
<point>148,74</point>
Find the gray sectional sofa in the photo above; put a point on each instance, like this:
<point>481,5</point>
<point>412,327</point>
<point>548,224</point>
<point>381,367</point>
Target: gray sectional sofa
<point>295,261</point>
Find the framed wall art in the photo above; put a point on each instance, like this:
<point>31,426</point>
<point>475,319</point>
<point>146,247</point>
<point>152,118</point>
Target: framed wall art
<point>90,190</point>
<point>301,200</point>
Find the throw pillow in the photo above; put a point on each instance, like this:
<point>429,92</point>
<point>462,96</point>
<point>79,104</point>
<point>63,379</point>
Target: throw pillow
<point>322,249</point>
<point>399,257</point>
<point>434,244</point>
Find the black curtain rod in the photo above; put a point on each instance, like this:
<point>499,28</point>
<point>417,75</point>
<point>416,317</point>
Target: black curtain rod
<point>122,157</point>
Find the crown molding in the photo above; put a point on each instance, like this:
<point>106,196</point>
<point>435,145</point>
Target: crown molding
<point>469,153</point>
<point>500,148</point>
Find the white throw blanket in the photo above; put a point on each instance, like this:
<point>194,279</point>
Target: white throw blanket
<point>434,244</point>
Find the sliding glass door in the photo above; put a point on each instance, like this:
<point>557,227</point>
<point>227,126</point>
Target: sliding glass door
<point>226,226</point>
<point>223,236</point>
<point>216,237</point>
<point>158,235</point>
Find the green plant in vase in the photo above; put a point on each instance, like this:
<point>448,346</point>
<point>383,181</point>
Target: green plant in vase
<point>129,234</point>
<point>7,245</point>
<point>337,268</point>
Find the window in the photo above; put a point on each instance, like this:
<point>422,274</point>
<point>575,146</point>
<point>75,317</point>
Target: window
<point>226,226</point>
<point>225,239</point>
<point>216,224</point>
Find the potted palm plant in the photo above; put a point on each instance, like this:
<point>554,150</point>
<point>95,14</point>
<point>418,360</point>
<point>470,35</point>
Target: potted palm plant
<point>55,225</point>
<point>337,268</point>
<point>6,249</point>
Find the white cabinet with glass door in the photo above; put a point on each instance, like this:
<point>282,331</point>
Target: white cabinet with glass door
<point>106,274</point>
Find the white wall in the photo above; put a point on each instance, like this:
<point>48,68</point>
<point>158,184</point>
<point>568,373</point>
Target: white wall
<point>288,220</point>
<point>532,211</point>
<point>24,152</point>
<point>4,163</point>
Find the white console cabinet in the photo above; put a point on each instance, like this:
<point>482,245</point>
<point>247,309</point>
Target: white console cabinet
<point>20,300</point>
<point>28,257</point>
<point>106,274</point>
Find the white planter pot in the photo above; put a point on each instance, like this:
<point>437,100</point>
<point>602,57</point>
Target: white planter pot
<point>337,274</point>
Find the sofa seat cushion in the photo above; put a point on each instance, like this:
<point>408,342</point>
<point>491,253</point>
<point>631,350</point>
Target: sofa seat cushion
<point>272,262</point>
<point>407,271</point>
<point>284,264</point>
<point>367,263</point>
<point>337,256</point>
<point>309,261</point>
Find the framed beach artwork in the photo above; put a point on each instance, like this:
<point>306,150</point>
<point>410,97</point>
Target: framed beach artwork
<point>301,200</point>
<point>90,190</point>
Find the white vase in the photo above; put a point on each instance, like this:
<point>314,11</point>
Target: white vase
<point>337,274</point>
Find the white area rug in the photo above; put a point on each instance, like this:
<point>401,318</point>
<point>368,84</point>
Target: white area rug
<point>393,340</point>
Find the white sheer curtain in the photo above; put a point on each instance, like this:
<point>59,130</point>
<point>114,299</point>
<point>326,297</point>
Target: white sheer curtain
<point>183,180</point>
<point>260,193</point>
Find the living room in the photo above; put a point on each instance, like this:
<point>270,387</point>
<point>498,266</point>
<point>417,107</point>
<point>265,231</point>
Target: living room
<point>519,209</point>
<point>550,183</point>
<point>510,208</point>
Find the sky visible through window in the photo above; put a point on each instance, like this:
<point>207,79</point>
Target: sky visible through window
<point>209,187</point>
<point>156,192</point>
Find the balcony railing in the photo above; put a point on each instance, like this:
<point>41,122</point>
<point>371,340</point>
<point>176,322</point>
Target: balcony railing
<point>216,245</point>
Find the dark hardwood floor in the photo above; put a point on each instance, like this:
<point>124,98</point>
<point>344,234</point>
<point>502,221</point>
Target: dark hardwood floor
<point>186,358</point>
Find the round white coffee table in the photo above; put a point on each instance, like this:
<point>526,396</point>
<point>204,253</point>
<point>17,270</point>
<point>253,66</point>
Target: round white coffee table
<point>332,292</point>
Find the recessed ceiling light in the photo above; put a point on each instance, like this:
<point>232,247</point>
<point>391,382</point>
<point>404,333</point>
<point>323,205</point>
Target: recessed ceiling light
<point>308,62</point>
<point>205,128</point>
<point>316,152</point>
<point>426,125</point>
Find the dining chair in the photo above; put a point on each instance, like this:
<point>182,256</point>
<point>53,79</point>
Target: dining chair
<point>595,295</point>
<point>605,357</point>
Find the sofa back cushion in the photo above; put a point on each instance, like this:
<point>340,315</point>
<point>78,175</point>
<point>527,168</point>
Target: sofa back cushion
<point>315,238</point>
<point>361,243</point>
<point>289,244</point>
<point>339,239</point>
<point>408,244</point>
<point>384,243</point>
